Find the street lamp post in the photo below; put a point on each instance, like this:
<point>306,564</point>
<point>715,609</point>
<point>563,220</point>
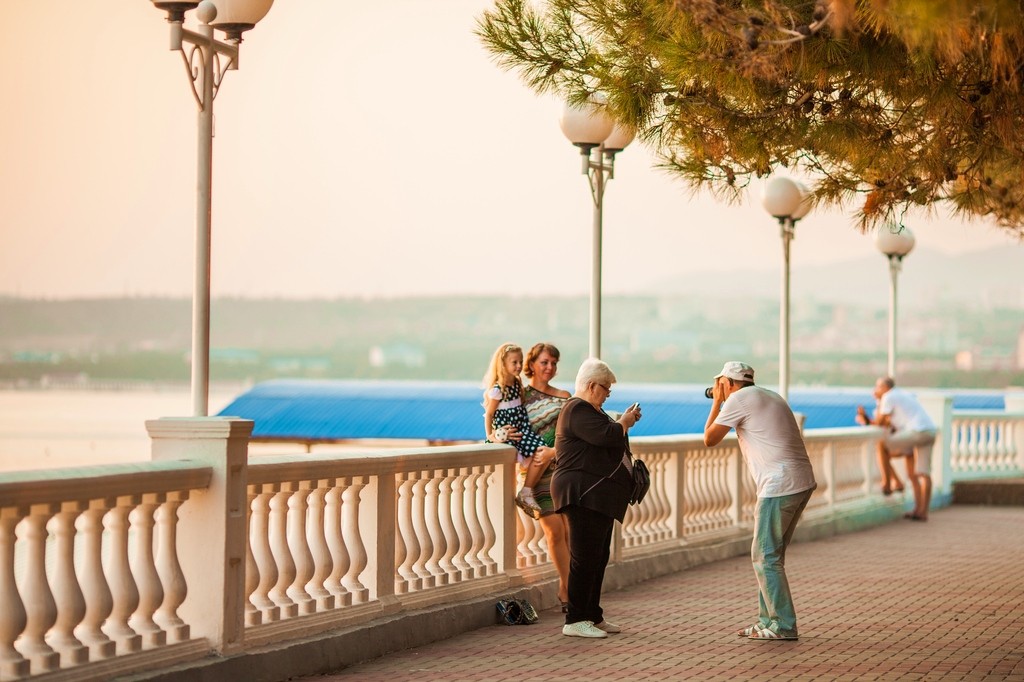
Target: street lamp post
<point>787,201</point>
<point>206,62</point>
<point>895,242</point>
<point>599,140</point>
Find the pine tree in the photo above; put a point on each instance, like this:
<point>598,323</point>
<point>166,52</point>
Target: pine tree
<point>884,104</point>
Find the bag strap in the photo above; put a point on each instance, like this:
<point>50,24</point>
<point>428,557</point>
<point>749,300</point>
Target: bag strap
<point>602,479</point>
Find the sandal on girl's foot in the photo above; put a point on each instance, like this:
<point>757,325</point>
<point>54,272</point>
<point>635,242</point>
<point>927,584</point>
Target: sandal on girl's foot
<point>528,505</point>
<point>768,633</point>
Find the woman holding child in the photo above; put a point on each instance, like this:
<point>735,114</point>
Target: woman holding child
<point>528,423</point>
<point>543,404</point>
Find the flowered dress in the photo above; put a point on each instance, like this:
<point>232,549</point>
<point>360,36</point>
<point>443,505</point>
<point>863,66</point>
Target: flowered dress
<point>542,410</point>
<point>511,412</point>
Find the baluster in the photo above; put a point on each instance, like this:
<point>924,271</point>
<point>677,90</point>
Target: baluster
<point>323,600</point>
<point>956,448</point>
<point>13,665</point>
<point>119,576</point>
<point>532,536</point>
<point>98,600</point>
<point>259,543</point>
<point>354,541</point>
<point>281,553</point>
<point>659,481</point>
<point>40,608</point>
<point>151,592</point>
<point>252,570</point>
<point>972,445</point>
<point>451,537</point>
<point>524,533</point>
<point>1006,453</point>
<point>66,592</point>
<point>169,569</point>
<point>483,513</point>
<point>696,499</point>
<point>459,521</point>
<point>999,446</point>
<point>299,550</point>
<point>407,550</point>
<point>340,561</point>
<point>419,525</point>
<point>432,517</point>
<point>473,524</point>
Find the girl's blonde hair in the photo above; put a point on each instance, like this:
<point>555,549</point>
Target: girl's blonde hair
<point>496,373</point>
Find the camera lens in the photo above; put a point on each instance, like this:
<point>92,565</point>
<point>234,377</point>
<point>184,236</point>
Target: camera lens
<point>709,392</point>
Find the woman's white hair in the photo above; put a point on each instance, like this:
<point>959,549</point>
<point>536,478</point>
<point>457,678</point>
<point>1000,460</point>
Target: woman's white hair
<point>596,371</point>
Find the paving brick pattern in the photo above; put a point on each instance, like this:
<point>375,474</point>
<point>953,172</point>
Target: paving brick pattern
<point>940,600</point>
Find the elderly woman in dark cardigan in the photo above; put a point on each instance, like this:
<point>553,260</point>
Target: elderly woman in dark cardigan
<point>591,488</point>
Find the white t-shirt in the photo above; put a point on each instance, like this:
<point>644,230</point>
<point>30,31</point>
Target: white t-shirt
<point>770,441</point>
<point>905,413</point>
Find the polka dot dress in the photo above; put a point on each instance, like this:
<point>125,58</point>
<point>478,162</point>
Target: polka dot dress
<point>515,416</point>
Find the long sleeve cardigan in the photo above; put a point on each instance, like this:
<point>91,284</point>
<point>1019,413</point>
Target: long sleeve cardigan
<point>589,449</point>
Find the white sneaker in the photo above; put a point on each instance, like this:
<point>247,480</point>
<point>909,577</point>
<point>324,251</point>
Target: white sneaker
<point>609,627</point>
<point>583,628</point>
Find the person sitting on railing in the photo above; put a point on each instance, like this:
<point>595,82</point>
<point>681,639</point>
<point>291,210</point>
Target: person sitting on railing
<point>776,457</point>
<point>505,420</point>
<point>910,433</point>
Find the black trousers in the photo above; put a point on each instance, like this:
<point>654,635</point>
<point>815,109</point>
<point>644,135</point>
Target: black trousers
<point>590,546</point>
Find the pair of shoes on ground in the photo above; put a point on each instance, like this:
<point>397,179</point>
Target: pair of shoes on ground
<point>528,504</point>
<point>915,517</point>
<point>757,631</point>
<point>587,628</point>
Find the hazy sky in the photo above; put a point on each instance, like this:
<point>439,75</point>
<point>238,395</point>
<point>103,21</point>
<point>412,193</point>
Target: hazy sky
<point>363,148</point>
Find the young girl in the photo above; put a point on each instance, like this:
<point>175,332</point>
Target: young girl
<point>504,415</point>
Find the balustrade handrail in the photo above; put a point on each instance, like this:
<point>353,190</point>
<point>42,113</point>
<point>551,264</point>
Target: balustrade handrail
<point>21,488</point>
<point>280,468</point>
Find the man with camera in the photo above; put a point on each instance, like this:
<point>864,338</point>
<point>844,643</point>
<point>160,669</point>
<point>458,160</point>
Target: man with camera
<point>774,451</point>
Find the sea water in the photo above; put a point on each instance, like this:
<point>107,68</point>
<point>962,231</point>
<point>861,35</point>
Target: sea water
<point>45,429</point>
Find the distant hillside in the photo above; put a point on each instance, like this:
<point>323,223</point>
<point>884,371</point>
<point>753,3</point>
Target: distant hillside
<point>993,278</point>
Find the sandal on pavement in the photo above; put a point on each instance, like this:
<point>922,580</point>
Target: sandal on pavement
<point>749,630</point>
<point>768,633</point>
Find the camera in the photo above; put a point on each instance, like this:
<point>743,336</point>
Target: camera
<point>709,392</point>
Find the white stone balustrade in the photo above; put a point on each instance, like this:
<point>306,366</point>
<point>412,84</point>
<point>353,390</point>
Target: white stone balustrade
<point>107,570</point>
<point>80,612</point>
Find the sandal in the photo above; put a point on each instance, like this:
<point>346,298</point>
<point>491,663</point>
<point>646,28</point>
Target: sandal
<point>768,633</point>
<point>749,630</point>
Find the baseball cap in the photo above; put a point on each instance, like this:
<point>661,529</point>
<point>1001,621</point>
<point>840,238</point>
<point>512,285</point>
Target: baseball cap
<point>737,371</point>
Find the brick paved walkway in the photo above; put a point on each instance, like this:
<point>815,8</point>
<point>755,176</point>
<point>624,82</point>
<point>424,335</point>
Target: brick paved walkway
<point>942,600</point>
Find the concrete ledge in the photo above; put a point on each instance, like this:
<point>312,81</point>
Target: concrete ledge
<point>1006,492</point>
<point>345,647</point>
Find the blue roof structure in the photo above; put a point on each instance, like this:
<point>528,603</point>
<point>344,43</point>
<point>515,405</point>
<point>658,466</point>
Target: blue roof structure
<point>326,410</point>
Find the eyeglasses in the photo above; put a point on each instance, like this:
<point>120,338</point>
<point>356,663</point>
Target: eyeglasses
<point>607,388</point>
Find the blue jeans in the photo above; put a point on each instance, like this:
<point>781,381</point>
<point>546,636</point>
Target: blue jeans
<point>775,519</point>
